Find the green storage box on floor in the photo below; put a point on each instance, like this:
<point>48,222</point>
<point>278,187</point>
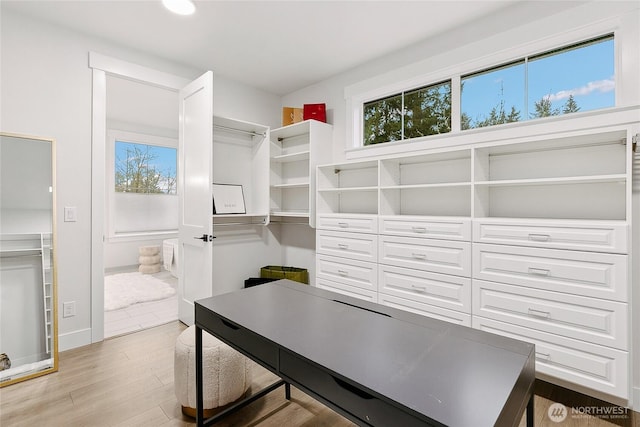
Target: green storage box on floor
<point>279,272</point>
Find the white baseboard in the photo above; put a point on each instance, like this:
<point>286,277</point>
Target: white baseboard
<point>74,339</point>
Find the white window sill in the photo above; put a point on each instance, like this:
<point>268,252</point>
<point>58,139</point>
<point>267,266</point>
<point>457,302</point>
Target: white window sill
<point>143,235</point>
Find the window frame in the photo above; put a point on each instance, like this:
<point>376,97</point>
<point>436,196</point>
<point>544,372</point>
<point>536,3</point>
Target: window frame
<point>147,146</point>
<point>528,59</point>
<point>114,135</point>
<point>414,75</point>
<point>403,109</point>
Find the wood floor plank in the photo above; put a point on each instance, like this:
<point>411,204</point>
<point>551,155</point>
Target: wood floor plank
<point>128,381</point>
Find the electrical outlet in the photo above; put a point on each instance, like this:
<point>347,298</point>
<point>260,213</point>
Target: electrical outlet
<point>69,309</point>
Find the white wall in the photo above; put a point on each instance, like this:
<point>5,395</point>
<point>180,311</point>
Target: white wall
<point>490,42</point>
<point>514,32</point>
<point>46,91</point>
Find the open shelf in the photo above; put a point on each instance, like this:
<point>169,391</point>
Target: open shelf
<point>295,150</point>
<point>294,185</point>
<point>293,157</point>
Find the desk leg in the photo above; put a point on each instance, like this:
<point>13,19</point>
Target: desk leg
<point>530,411</point>
<point>287,391</point>
<point>239,405</point>
<point>199,392</point>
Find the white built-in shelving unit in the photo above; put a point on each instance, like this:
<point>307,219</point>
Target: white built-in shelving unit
<point>295,150</point>
<point>37,247</point>
<point>527,237</point>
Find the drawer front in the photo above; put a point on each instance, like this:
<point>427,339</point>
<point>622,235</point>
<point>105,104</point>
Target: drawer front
<point>360,246</point>
<point>439,256</point>
<point>601,368</point>
<point>442,290</point>
<point>589,319</point>
<point>348,290</point>
<point>348,271</point>
<point>579,235</point>
<point>246,341</point>
<point>343,394</point>
<point>354,223</point>
<point>435,228</point>
<point>428,310</point>
<point>584,273</point>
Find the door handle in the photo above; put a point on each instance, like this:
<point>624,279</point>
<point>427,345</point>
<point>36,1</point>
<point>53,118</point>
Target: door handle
<point>205,237</point>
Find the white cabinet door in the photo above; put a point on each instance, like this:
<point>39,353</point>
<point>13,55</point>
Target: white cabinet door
<point>194,189</point>
<point>438,256</point>
<point>347,271</point>
<point>598,367</point>
<point>591,320</point>
<point>360,246</point>
<point>442,290</point>
<point>588,274</point>
<point>428,310</point>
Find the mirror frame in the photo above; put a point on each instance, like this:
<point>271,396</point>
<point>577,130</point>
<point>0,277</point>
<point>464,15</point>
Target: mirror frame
<point>54,261</point>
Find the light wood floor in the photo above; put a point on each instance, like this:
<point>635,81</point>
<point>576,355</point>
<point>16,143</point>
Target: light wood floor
<point>128,381</point>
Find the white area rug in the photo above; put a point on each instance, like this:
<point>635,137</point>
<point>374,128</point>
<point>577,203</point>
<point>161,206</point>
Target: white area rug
<point>124,289</point>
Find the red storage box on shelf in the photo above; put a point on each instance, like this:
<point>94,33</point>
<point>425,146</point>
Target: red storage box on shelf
<point>315,111</point>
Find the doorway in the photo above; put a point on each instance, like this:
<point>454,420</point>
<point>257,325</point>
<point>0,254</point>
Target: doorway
<point>141,205</point>
<point>137,101</point>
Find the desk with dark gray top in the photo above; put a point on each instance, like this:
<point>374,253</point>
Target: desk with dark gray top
<point>375,365</point>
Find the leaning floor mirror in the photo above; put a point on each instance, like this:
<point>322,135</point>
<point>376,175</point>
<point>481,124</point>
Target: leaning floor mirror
<point>28,301</point>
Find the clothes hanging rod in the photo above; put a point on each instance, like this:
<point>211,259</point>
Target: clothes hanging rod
<point>2,255</point>
<point>248,132</point>
<point>282,138</point>
<point>227,224</point>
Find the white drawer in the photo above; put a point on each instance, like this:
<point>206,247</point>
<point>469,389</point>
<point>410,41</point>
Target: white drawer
<point>590,274</point>
<point>592,320</point>
<point>602,236</point>
<point>348,271</point>
<point>355,223</point>
<point>449,228</point>
<point>432,311</point>
<point>344,289</point>
<point>360,246</point>
<point>601,368</point>
<point>442,290</point>
<point>439,256</point>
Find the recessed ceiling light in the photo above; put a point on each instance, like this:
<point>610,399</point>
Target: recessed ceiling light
<point>181,7</point>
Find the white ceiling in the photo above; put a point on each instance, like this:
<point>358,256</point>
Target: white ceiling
<point>278,46</point>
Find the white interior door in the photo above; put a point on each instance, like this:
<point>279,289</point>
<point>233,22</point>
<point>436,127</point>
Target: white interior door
<point>196,202</point>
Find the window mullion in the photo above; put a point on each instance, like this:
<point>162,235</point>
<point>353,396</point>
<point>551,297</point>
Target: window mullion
<point>526,88</point>
<point>456,108</point>
<point>402,118</point>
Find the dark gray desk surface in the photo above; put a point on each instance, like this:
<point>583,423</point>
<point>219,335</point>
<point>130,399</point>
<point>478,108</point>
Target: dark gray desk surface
<point>455,375</point>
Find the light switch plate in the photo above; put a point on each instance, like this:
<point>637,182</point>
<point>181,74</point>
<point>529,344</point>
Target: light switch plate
<point>69,309</point>
<point>70,214</point>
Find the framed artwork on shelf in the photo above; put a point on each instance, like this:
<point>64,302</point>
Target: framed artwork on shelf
<point>228,199</point>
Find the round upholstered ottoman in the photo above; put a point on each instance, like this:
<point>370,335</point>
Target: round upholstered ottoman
<point>226,379</point>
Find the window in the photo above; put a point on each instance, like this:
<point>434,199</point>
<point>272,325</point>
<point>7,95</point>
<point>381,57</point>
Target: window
<point>411,114</point>
<point>147,169</point>
<point>142,197</point>
<point>493,97</point>
<point>574,78</point>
